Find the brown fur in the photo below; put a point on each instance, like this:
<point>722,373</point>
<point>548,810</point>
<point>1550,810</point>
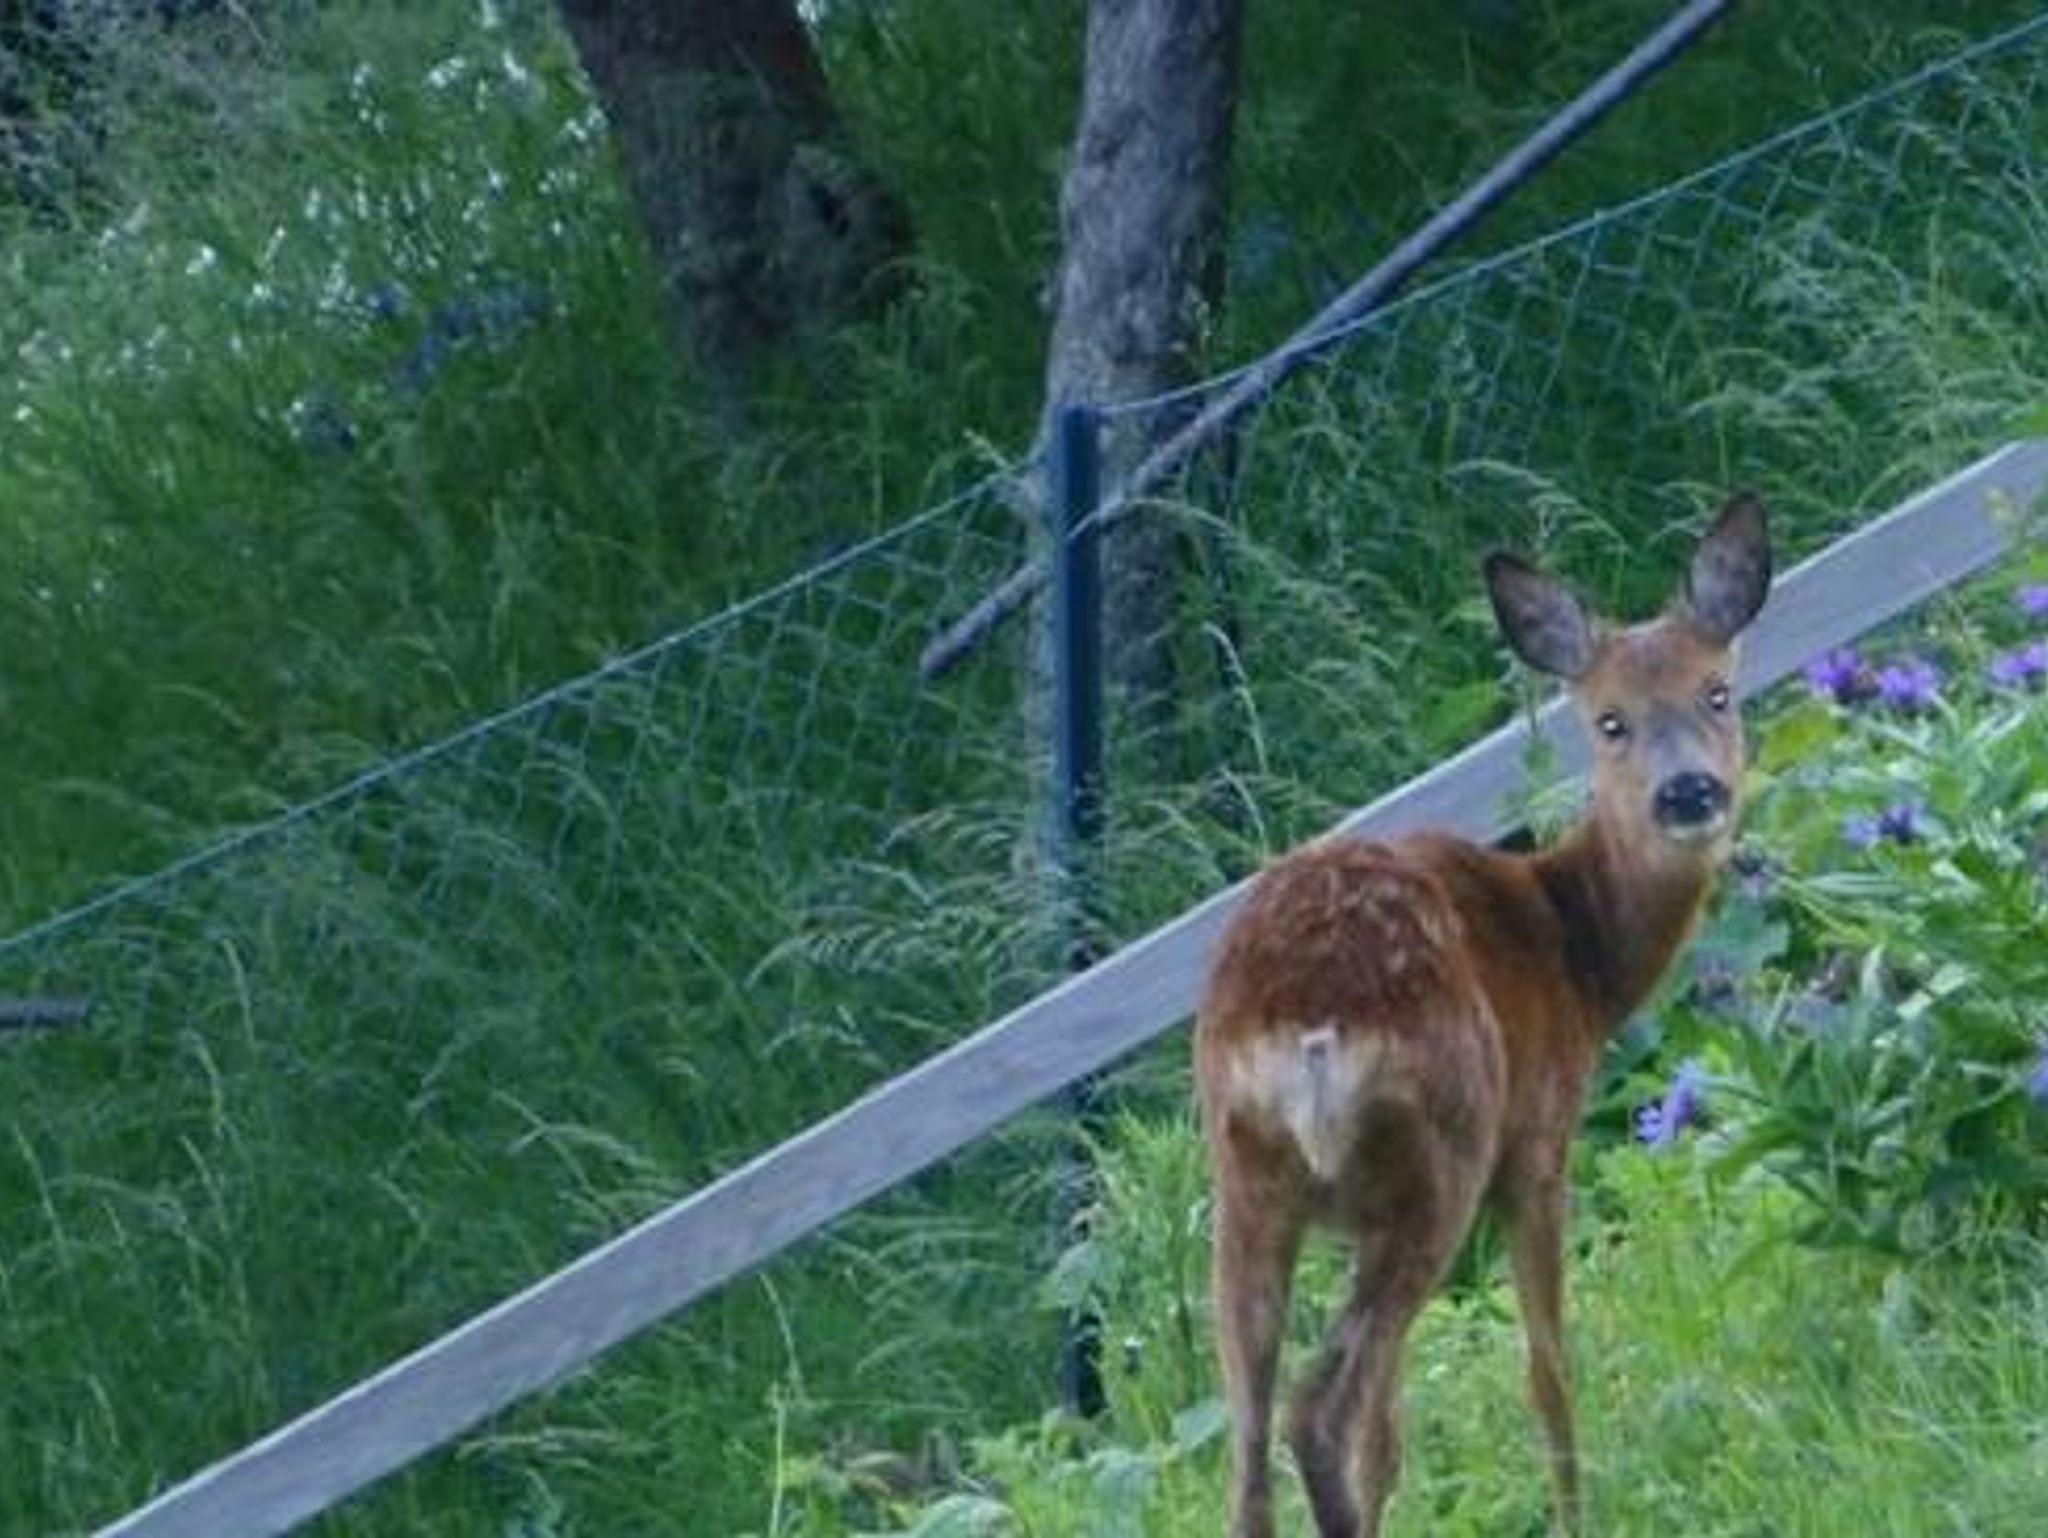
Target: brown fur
<point>1395,1034</point>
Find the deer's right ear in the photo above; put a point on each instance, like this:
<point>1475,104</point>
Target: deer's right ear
<point>1543,620</point>
<point>1731,572</point>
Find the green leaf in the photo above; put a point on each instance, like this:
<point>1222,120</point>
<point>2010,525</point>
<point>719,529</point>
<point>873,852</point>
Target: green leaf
<point>1076,1277</point>
<point>965,1516</point>
<point>1199,1425</point>
<point>1123,1483</point>
<point>1459,714</point>
<point>1796,735</point>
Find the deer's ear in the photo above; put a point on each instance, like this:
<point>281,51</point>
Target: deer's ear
<point>1543,620</point>
<point>1731,571</point>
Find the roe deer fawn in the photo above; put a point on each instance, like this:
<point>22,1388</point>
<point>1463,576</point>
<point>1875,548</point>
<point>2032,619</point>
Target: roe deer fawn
<point>1394,1033</point>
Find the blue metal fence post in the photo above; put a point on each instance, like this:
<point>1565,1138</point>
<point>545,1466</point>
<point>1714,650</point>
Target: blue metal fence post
<point>1075,472</point>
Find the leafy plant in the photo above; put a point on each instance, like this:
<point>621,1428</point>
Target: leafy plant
<point>1878,1011</point>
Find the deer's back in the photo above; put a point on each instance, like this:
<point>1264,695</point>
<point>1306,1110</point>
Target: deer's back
<point>1339,930</point>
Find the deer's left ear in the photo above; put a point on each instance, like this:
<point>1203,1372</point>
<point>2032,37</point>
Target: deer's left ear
<point>1542,619</point>
<point>1731,571</point>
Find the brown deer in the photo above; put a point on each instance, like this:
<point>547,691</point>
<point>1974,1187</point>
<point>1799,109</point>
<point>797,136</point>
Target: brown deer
<point>1395,1033</point>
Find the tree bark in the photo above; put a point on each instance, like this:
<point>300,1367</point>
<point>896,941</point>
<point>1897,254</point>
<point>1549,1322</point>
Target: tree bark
<point>761,220</point>
<point>1142,214</point>
<point>1142,218</point>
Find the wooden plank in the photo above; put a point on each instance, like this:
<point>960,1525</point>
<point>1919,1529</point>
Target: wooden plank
<point>1948,532</point>
<point>907,1124</point>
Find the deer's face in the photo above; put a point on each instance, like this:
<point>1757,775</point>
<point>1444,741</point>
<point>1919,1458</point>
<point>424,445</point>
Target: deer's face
<point>1656,699</point>
<point>1658,705</point>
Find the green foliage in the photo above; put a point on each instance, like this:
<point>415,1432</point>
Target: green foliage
<point>352,420</point>
<point>1729,1381</point>
<point>1881,1010</point>
<point>1870,1009</point>
<point>338,414</point>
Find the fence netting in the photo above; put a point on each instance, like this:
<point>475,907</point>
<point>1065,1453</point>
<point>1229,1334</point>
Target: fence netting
<point>618,940</point>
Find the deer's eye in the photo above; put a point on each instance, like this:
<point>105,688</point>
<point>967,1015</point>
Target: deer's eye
<point>1613,725</point>
<point>1717,695</point>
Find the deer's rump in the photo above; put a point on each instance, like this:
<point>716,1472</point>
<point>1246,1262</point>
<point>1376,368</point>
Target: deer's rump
<point>1343,1013</point>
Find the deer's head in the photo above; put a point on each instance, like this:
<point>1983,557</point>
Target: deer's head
<point>1657,699</point>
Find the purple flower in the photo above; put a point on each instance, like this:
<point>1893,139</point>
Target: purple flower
<point>2032,600</point>
<point>2022,668</point>
<point>2037,1081</point>
<point>1841,675</point>
<point>1898,823</point>
<point>1911,683</point>
<point>1658,1125</point>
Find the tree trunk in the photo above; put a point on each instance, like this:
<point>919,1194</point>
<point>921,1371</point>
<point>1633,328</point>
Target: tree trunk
<point>1142,221</point>
<point>761,221</point>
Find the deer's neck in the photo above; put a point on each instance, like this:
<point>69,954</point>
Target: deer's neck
<point>1624,915</point>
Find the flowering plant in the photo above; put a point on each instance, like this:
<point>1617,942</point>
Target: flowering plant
<point>1871,1015</point>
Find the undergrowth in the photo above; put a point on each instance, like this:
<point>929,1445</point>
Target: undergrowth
<point>337,415</point>
<point>1809,1258</point>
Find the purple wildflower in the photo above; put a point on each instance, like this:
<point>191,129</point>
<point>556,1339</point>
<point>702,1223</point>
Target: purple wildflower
<point>2032,600</point>
<point>1842,676</point>
<point>1911,683</point>
<point>2037,1081</point>
<point>1659,1124</point>
<point>1898,823</point>
<point>2021,668</point>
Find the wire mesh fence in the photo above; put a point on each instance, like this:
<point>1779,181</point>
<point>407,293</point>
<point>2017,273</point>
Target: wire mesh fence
<point>357,1073</point>
<point>1835,317</point>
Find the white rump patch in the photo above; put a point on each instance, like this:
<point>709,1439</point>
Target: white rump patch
<point>1312,1082</point>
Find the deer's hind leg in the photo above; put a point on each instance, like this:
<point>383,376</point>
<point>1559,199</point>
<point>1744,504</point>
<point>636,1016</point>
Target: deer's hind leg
<point>1418,1187</point>
<point>1258,1225</point>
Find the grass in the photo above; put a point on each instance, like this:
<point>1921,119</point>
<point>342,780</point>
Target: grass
<point>377,1069</point>
<point>1729,1382</point>
<point>1818,1314</point>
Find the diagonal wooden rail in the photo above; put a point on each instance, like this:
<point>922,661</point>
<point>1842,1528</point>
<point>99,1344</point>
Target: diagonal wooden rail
<point>745,1218</point>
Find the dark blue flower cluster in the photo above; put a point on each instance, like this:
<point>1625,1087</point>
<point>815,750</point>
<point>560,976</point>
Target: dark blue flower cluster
<point>1683,1105</point>
<point>1909,684</point>
<point>2026,666</point>
<point>1841,675</point>
<point>1899,823</point>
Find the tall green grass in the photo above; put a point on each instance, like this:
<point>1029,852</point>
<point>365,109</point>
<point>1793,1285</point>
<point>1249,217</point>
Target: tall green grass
<point>278,215</point>
<point>382,1066</point>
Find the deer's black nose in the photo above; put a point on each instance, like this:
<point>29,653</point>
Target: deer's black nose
<point>1690,799</point>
